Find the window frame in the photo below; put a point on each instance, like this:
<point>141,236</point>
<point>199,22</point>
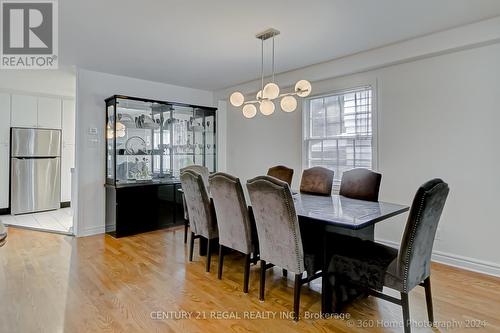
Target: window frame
<point>374,118</point>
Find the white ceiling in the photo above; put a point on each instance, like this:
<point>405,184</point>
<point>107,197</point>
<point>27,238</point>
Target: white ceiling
<point>211,44</point>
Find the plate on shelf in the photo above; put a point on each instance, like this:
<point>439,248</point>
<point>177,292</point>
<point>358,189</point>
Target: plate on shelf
<point>135,145</point>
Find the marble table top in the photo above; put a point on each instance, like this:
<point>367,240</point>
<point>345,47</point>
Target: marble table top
<point>344,212</point>
<point>340,211</point>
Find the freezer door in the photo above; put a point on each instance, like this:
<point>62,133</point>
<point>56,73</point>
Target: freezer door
<point>35,184</point>
<point>33,142</point>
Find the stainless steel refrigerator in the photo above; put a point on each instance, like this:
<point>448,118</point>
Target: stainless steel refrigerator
<point>35,170</point>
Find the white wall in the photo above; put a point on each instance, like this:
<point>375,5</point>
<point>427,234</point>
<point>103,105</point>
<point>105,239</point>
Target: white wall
<point>39,82</point>
<point>92,89</point>
<point>437,117</point>
<point>257,144</point>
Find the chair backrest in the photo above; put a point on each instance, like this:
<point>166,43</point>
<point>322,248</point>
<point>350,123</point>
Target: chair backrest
<point>277,224</point>
<point>416,246</point>
<point>362,184</point>
<point>231,209</point>
<point>202,170</point>
<point>317,180</point>
<point>201,215</point>
<point>282,173</point>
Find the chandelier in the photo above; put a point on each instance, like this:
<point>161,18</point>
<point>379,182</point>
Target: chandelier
<point>271,91</point>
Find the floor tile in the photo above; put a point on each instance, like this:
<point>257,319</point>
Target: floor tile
<point>60,220</point>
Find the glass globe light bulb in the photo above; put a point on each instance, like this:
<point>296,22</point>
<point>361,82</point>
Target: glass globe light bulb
<point>249,111</point>
<point>303,88</point>
<point>271,90</point>
<point>259,95</point>
<point>237,99</point>
<point>266,107</point>
<point>288,103</point>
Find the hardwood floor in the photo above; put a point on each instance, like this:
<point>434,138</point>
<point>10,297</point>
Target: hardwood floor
<point>55,283</point>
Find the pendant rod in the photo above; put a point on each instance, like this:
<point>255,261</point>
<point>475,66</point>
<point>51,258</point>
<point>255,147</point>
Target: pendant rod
<point>273,60</point>
<point>262,69</point>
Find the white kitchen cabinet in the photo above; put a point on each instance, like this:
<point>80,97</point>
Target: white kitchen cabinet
<point>24,111</point>
<point>4,175</point>
<point>4,118</point>
<point>49,112</point>
<point>68,121</point>
<point>67,162</point>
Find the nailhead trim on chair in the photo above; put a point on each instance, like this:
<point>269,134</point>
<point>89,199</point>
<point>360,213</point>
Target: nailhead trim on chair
<point>292,216</point>
<point>410,246</point>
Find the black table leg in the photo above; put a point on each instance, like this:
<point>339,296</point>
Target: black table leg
<point>330,304</point>
<point>326,290</point>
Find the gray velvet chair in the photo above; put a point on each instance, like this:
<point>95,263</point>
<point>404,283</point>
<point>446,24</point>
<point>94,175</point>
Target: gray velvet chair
<point>317,180</point>
<point>401,270</point>
<point>3,235</point>
<point>282,173</point>
<point>203,171</point>
<point>201,211</point>
<point>278,230</point>
<point>233,220</point>
<point>362,184</point>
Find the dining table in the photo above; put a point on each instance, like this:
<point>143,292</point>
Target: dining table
<point>337,214</point>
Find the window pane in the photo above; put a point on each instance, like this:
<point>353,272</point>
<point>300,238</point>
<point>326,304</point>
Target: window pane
<point>317,118</point>
<point>333,116</point>
<point>315,151</point>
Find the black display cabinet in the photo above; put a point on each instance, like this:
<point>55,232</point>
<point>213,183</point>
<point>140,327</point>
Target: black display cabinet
<point>147,143</point>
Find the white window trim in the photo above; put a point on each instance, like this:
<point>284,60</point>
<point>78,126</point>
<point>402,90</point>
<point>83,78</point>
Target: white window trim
<point>305,124</point>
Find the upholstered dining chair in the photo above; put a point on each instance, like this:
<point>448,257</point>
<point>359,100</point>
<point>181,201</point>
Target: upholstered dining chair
<point>317,180</point>
<point>201,211</point>
<point>282,173</point>
<point>3,235</point>
<point>203,171</point>
<point>233,220</point>
<point>373,266</point>
<point>362,184</point>
<point>278,230</point>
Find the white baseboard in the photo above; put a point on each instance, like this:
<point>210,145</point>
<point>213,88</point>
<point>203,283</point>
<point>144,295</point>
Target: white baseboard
<point>91,231</point>
<point>454,260</point>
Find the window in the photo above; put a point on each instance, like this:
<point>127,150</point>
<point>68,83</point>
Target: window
<point>338,131</point>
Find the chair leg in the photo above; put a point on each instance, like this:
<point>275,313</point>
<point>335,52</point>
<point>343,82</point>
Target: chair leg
<point>428,298</point>
<point>285,273</point>
<point>406,312</point>
<point>186,226</point>
<point>221,260</point>
<point>247,273</point>
<point>296,296</point>
<point>262,279</point>
<point>209,255</point>
<point>191,247</point>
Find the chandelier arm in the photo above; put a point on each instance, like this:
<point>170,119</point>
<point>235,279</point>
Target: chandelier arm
<point>251,102</point>
<point>287,94</point>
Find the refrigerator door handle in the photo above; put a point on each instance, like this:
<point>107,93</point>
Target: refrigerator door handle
<point>35,158</point>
